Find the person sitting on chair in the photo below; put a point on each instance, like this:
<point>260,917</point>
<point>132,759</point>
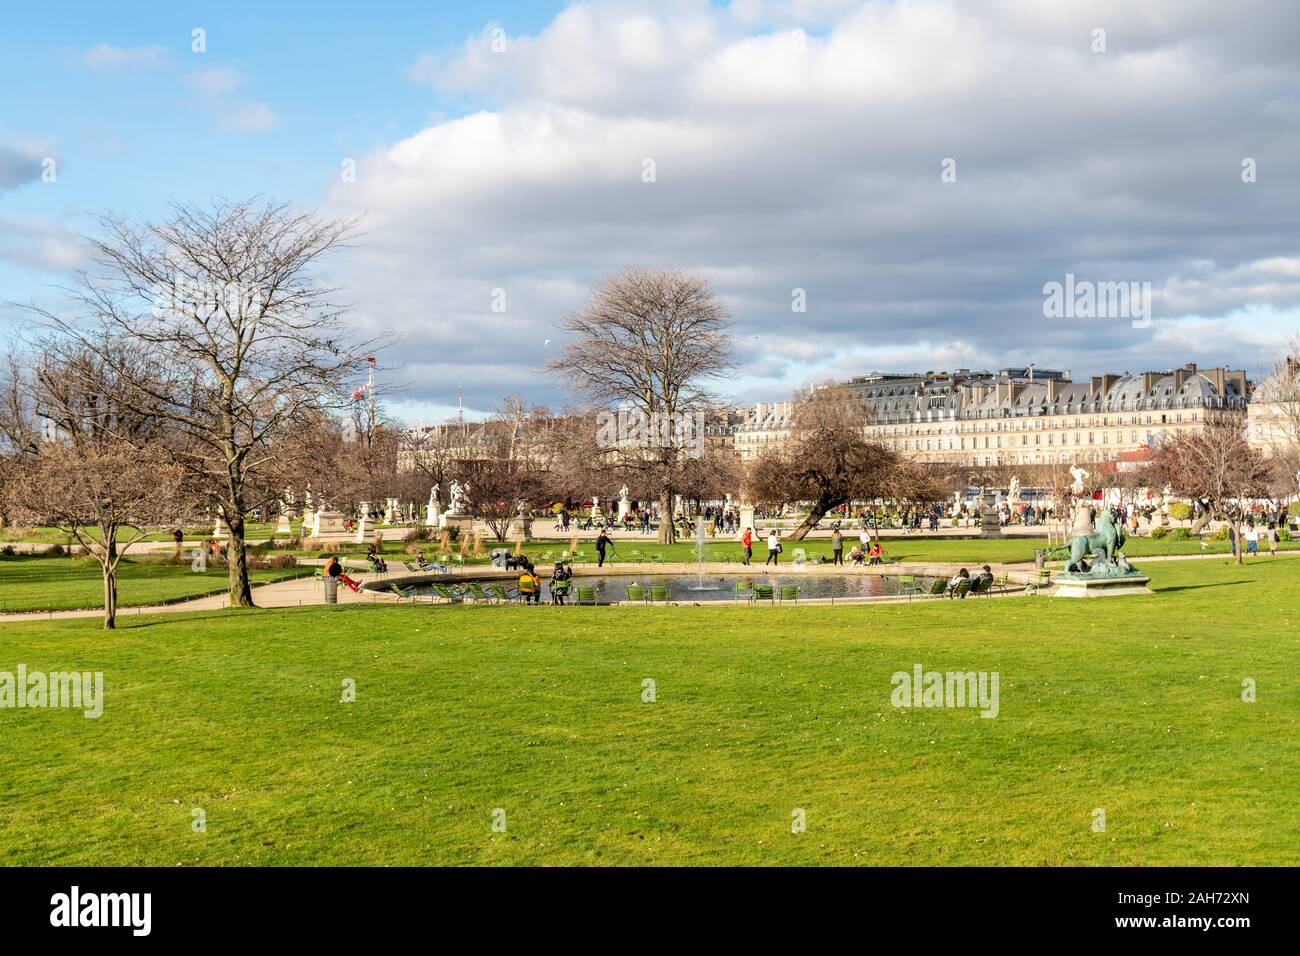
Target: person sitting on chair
<point>985,575</point>
<point>962,575</point>
<point>334,569</point>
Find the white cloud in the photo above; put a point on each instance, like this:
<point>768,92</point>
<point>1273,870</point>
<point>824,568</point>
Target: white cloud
<point>216,81</point>
<point>248,118</point>
<point>105,56</point>
<point>813,161</point>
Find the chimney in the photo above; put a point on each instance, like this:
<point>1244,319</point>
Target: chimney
<point>1094,386</point>
<point>1216,377</point>
<point>1148,382</point>
<point>1053,389</point>
<point>1180,376</point>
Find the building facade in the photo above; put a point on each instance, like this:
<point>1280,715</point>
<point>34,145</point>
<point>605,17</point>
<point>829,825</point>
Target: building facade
<point>1022,416</point>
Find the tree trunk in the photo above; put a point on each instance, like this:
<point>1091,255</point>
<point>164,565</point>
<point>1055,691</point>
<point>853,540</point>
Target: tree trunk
<point>110,597</point>
<point>241,590</point>
<point>667,530</point>
<point>815,514</point>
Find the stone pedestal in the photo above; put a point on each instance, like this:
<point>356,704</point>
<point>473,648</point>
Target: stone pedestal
<point>1066,586</point>
<point>283,526</point>
<point>327,522</point>
<point>361,529</point>
<point>990,523</point>
<point>746,519</point>
<point>624,506</point>
<point>465,523</point>
<point>521,528</point>
<point>432,514</point>
<point>222,530</point>
<point>308,519</point>
<point>1082,519</point>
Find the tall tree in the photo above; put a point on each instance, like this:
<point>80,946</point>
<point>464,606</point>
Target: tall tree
<point>224,302</point>
<point>1215,466</point>
<point>647,345</point>
<point>827,460</point>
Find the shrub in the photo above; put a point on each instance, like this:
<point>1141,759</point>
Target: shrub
<point>1180,534</point>
<point>57,551</point>
<point>1293,508</point>
<point>1283,534</point>
<point>1159,533</point>
<point>1180,511</point>
<point>1221,534</point>
<point>416,534</point>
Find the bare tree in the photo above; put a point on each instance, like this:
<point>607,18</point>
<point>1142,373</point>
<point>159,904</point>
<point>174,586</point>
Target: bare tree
<point>649,342</point>
<point>222,301</point>
<point>827,460</point>
<point>96,494</point>
<point>1215,466</point>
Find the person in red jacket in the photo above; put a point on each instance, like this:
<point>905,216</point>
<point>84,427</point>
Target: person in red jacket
<point>747,540</point>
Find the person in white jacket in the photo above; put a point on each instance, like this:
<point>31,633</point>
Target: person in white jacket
<point>773,548</point>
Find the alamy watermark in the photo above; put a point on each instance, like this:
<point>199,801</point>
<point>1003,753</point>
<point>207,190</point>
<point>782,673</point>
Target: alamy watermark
<point>1084,299</point>
<point>76,690</point>
<point>922,688</point>
<point>633,429</point>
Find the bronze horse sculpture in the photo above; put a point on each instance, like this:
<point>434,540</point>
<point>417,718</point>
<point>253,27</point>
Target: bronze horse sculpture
<point>1105,542</point>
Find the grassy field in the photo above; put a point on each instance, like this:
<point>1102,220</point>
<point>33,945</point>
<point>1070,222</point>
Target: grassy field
<point>65,584</point>
<point>1132,705</point>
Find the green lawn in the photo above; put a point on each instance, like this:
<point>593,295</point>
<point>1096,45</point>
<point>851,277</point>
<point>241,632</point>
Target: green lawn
<point>1132,705</point>
<point>64,584</point>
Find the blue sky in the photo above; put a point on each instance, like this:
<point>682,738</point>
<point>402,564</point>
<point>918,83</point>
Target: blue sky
<point>798,146</point>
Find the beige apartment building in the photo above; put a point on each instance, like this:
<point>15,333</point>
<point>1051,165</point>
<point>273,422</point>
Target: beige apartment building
<point>1022,416</point>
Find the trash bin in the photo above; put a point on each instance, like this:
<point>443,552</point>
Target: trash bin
<point>1040,557</point>
<point>331,590</point>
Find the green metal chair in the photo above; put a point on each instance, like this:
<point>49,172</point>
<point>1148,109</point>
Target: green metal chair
<point>790,592</point>
<point>1044,581</point>
<point>960,589</point>
<point>402,593</point>
<point>938,588</point>
<point>744,589</point>
<point>475,590</point>
<point>1001,582</point>
<point>800,556</point>
<point>503,595</point>
<point>656,558</point>
<point>586,594</point>
<point>658,593</point>
<point>981,586</point>
<point>762,592</point>
<point>448,594</point>
<point>907,585</point>
<point>635,592</point>
<point>561,589</point>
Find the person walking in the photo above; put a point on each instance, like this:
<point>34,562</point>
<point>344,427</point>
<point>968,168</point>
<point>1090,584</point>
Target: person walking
<point>1272,540</point>
<point>602,542</point>
<point>1252,538</point>
<point>773,548</point>
<point>837,547</point>
<point>747,542</point>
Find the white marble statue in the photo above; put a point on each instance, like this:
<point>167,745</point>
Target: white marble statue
<point>622,494</point>
<point>1079,474</point>
<point>457,500</point>
<point>1013,492</point>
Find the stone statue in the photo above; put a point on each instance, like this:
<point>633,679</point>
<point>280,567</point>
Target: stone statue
<point>622,494</point>
<point>1013,492</point>
<point>433,496</point>
<point>457,501</point>
<point>1079,474</point>
<point>595,504</point>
